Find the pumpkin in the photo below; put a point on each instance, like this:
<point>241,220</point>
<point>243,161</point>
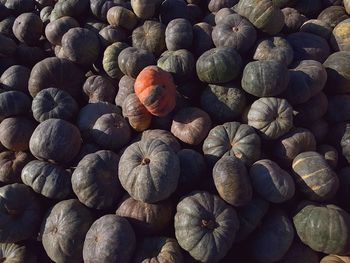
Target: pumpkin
<point>156,90</point>
<point>99,8</point>
<point>95,181</point>
<point>15,133</point>
<point>45,14</point>
<point>338,80</point>
<point>125,88</point>
<point>178,34</point>
<point>158,249</point>
<point>335,259</point>
<point>29,56</point>
<point>191,125</point>
<point>339,135</point>
<point>273,238</point>
<point>316,225</point>
<point>299,253</point>
<point>110,60</point>
<point>133,60</point>
<point>273,117</point>
<point>234,139</point>
<point>219,65</point>
<point>27,28</point>
<point>146,219</point>
<point>271,182</point>
<point>234,31</point>
<point>99,88</point>
<point>232,182</point>
<point>19,213</point>
<point>54,103</point>
<point>44,75</point>
<point>180,63</point>
<point>203,219</point>
<point>138,116</point>
<point>121,16</point>
<point>340,36</point>
<point>264,15</point>
<point>194,13</point>
<point>6,62</point>
<point>8,46</point>
<point>73,8</point>
<point>150,36</point>
<point>314,177</point>
<point>329,153</point>
<point>292,20</point>
<point>111,34</point>
<point>144,175</point>
<point>172,9</point>
<point>163,135</point>
<point>202,40</point>
<point>56,141</point>
<point>296,141</point>
<point>55,30</point>
<point>144,9</point>
<point>338,109</point>
<point>265,78</point>
<point>111,131</point>
<point>222,13</point>
<point>109,239</point>
<point>333,15</point>
<point>317,27</point>
<point>11,165</point>
<point>15,78</point>
<point>250,216</point>
<point>6,25</point>
<point>13,103</point>
<point>13,252</point>
<point>63,230</point>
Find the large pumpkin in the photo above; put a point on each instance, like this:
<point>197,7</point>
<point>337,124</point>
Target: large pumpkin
<point>125,88</point>
<point>178,34</point>
<point>99,88</point>
<point>163,135</point>
<point>15,78</point>
<point>341,35</point>
<point>55,30</point>
<point>28,28</point>
<point>156,90</point>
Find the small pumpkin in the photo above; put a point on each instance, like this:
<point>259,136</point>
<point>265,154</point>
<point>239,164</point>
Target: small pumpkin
<point>45,14</point>
<point>111,34</point>
<point>110,60</point>
<point>13,103</point>
<point>202,40</point>
<point>28,28</point>
<point>15,78</point>
<point>73,8</point>
<point>11,165</point>
<point>121,16</point>
<point>333,15</point>
<point>99,8</point>
<point>178,34</point>
<point>338,80</point>
<point>329,153</point>
<point>145,9</point>
<point>163,135</point>
<point>340,36</point>
<point>55,30</point>
<point>293,20</point>
<point>125,88</point>
<point>99,88</point>
<point>156,90</point>
<point>6,25</point>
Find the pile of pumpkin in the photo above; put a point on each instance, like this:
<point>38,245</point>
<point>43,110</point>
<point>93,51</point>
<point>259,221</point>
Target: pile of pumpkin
<point>173,131</point>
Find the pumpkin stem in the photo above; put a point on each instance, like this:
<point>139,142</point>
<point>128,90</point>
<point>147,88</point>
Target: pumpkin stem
<point>209,224</point>
<point>145,161</point>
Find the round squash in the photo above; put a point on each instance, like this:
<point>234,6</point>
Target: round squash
<point>13,103</point>
<point>293,20</point>
<point>11,165</point>
<point>63,230</point>
<point>146,219</point>
<point>144,8</point>
<point>29,55</point>
<point>95,181</point>
<point>222,13</point>
<point>146,176</point>
<point>271,182</point>
<point>121,16</point>
<point>329,153</point>
<point>178,34</point>
<point>111,34</point>
<point>15,78</point>
<point>333,15</point>
<point>338,78</point>
<point>99,88</point>
<point>125,88</point>
<point>338,108</point>
<point>109,239</point>
<point>55,30</point>
<point>110,60</point>
<point>56,141</point>
<point>99,8</point>
<point>215,5</point>
<point>28,28</point>
<point>317,27</point>
<point>202,40</point>
<point>204,220</point>
<point>73,8</point>
<point>341,36</point>
<point>335,259</point>
<point>163,135</point>
<point>12,252</point>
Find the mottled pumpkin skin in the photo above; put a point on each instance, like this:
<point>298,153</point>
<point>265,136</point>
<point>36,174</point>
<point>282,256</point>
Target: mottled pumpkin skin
<point>146,219</point>
<point>316,225</point>
<point>163,135</point>
<point>111,34</point>
<point>234,139</point>
<point>110,60</point>
<point>314,177</point>
<point>338,108</point>
<point>204,220</point>
<point>178,34</point>
<point>109,239</point>
<point>202,40</point>
<point>121,16</point>
<point>73,8</point>
<point>341,35</point>
<point>14,103</point>
<point>15,78</point>
<point>12,252</point>
<point>125,88</point>
<point>28,28</point>
<point>144,9</point>
<point>317,27</point>
<point>172,9</point>
<point>273,117</point>
<point>95,180</point>
<point>11,165</point>
<point>55,30</point>
<point>20,213</point>
<point>219,65</point>
<point>333,15</point>
<point>63,230</point>
<point>298,253</point>
<point>338,69</point>
<point>99,8</point>
<point>50,180</point>
<point>232,181</point>
<point>271,181</point>
<point>158,249</point>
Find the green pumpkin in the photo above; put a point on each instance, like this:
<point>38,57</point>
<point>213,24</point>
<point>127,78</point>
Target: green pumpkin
<point>15,78</point>
<point>55,30</point>
<point>28,28</point>
<point>110,60</point>
<point>178,34</point>
<point>14,103</point>
<point>317,27</point>
<point>335,259</point>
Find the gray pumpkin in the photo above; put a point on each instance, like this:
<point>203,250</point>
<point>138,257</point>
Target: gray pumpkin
<point>11,165</point>
<point>178,34</point>
<point>55,30</point>
<point>15,78</point>
<point>14,103</point>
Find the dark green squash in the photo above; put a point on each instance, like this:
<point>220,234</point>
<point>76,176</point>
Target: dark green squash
<point>178,34</point>
<point>15,78</point>
<point>7,47</point>
<point>163,135</point>
<point>202,40</point>
<point>29,55</point>
<point>121,16</point>
<point>99,8</point>
<point>14,103</point>
<point>73,8</point>
<point>338,68</point>
<point>111,34</point>
<point>99,88</point>
<point>28,28</point>
<point>55,30</point>
<point>11,165</point>
<point>341,35</point>
<point>110,60</point>
<point>293,20</point>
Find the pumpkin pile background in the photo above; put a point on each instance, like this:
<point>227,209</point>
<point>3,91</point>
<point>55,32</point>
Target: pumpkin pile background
<point>175,131</point>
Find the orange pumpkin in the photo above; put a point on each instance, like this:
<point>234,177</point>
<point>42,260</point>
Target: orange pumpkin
<point>156,90</point>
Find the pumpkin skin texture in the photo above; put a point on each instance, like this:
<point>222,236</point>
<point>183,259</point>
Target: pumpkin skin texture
<point>19,213</point>
<point>314,177</point>
<point>44,75</point>
<point>16,253</point>
<point>28,28</point>
<point>8,46</point>
<point>292,20</point>
<point>133,60</point>
<point>272,182</point>
<point>150,36</point>
<point>156,90</point>
<point>191,125</point>
<point>234,31</point>
<point>335,259</point>
<point>299,253</point>
<point>45,14</point>
<point>319,128</point>
<point>146,219</point>
<point>224,102</point>
<point>95,180</point>
<point>163,135</point>
<point>99,88</point>
<point>329,153</point>
<point>266,78</point>
<point>109,239</point>
<point>202,40</point>
<point>126,87</point>
<point>146,176</point>
<point>158,249</point>
<point>11,165</point>
<point>63,231</point>
<point>13,103</point>
<point>15,133</point>
<point>15,78</point>
<point>333,15</point>
<point>338,108</point>
<point>144,9</point>
<point>219,65</point>
<point>138,116</point>
<point>50,180</point>
<point>317,224</point>
<point>178,34</point>
<point>111,34</point>
<point>274,237</point>
<point>55,30</point>
<point>99,8</point>
<point>233,139</point>
<point>340,36</point>
<point>232,182</point>
<point>110,60</point>
<point>121,16</point>
<point>317,27</point>
<point>73,8</point>
<point>337,67</point>
<point>56,141</point>
<point>204,220</point>
<point>54,103</point>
